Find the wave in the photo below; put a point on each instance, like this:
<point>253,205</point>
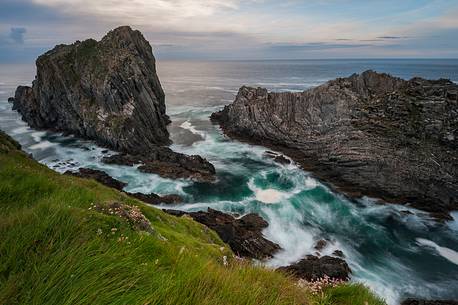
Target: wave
<point>188,126</point>
<point>449,254</point>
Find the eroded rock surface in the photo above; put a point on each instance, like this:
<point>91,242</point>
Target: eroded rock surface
<point>368,134</point>
<point>243,235</point>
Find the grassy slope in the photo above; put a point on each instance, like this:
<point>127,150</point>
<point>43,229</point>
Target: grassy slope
<point>55,249</point>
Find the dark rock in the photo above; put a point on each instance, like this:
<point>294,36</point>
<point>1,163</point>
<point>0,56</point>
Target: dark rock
<point>156,199</point>
<point>99,176</point>
<point>243,235</point>
<point>321,244</point>
<point>313,268</point>
<point>11,100</point>
<point>107,180</point>
<point>338,253</point>
<point>277,158</point>
<point>107,91</point>
<point>166,163</point>
<point>103,90</point>
<point>369,134</point>
<point>105,151</point>
<point>429,302</point>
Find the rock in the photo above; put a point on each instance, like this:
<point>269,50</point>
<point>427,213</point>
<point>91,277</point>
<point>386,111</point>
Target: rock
<point>338,253</point>
<point>243,235</point>
<point>429,302</point>
<point>11,100</point>
<point>313,268</point>
<point>156,199</point>
<point>166,163</point>
<point>369,134</point>
<point>99,176</point>
<point>105,179</point>
<point>107,91</point>
<point>321,244</point>
<point>277,158</point>
<point>103,90</point>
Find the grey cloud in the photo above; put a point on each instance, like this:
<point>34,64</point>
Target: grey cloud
<point>315,46</point>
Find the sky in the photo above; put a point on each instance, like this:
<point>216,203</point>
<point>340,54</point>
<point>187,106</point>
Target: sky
<point>239,29</point>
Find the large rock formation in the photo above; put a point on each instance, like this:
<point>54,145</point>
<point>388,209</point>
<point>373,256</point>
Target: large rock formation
<point>103,90</point>
<point>243,235</point>
<point>368,134</point>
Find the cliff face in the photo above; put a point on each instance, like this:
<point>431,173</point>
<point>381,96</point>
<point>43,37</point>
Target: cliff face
<point>368,134</point>
<point>107,91</point>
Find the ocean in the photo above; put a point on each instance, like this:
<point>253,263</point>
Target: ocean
<point>397,254</point>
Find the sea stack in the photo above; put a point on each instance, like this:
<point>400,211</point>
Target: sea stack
<point>108,91</point>
<point>369,134</point>
<point>105,90</point>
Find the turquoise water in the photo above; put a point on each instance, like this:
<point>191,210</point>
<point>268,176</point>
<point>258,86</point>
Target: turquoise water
<point>395,253</point>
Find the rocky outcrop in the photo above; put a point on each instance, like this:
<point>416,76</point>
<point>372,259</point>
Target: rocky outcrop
<point>368,134</point>
<point>107,180</point>
<point>428,302</point>
<point>313,268</point>
<point>99,176</point>
<point>107,91</point>
<point>163,161</point>
<point>243,235</point>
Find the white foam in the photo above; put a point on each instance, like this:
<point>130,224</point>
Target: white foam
<point>42,145</point>
<point>20,130</point>
<point>446,253</point>
<point>37,135</point>
<point>188,126</point>
<point>268,196</point>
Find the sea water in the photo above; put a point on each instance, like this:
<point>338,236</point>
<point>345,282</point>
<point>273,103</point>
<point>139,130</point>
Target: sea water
<point>395,250</point>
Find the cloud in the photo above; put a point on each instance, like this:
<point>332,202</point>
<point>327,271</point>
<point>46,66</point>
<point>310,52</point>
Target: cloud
<point>316,46</point>
<point>391,37</point>
<point>17,35</point>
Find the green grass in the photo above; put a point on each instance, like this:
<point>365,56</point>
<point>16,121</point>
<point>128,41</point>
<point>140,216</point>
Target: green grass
<point>55,248</point>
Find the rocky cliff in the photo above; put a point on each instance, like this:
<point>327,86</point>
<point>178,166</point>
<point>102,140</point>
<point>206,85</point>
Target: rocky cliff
<point>105,90</point>
<point>368,134</point>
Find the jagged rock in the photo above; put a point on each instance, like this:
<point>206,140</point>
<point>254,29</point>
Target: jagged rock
<point>99,176</point>
<point>107,180</point>
<point>321,244</point>
<point>276,157</point>
<point>429,302</point>
<point>11,100</point>
<point>368,134</point>
<point>313,268</point>
<point>338,253</point>
<point>107,91</point>
<point>166,163</point>
<point>104,90</point>
<point>156,199</point>
<point>243,235</point>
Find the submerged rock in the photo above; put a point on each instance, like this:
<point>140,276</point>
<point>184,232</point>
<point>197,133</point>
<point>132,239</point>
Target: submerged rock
<point>313,268</point>
<point>369,134</point>
<point>243,235</point>
<point>107,91</point>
